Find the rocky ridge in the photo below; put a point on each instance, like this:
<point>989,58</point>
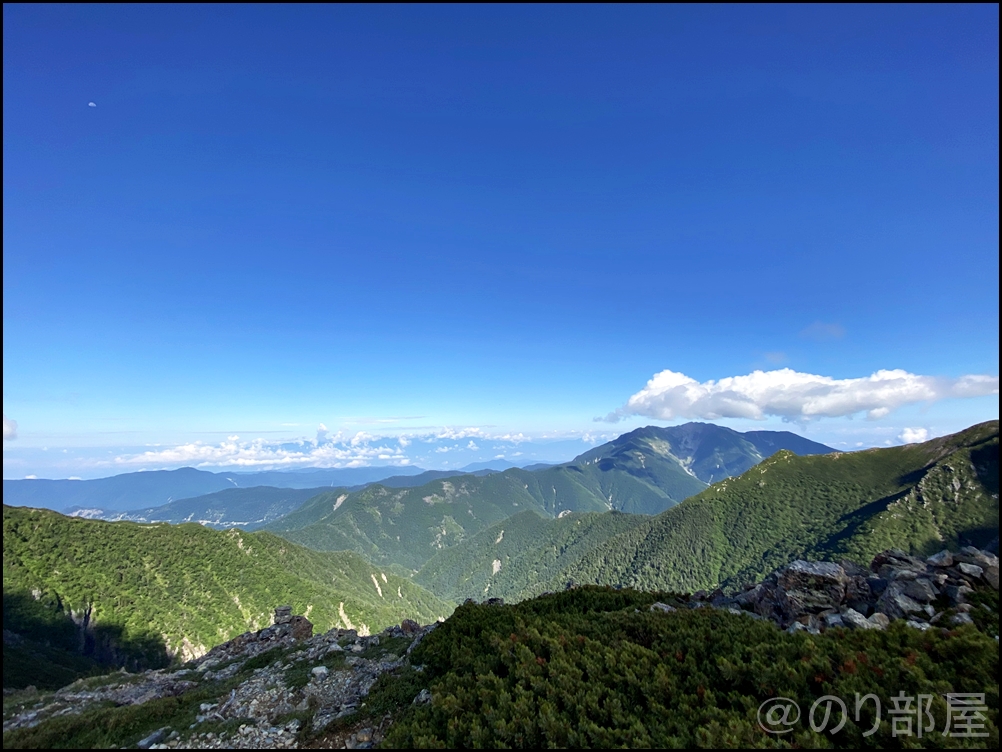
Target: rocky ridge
<point>265,680</point>
<point>819,595</point>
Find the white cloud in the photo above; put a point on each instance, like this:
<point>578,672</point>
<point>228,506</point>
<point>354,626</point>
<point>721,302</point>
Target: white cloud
<point>459,433</point>
<point>913,435</point>
<point>91,104</point>
<point>259,454</point>
<point>321,433</point>
<point>340,449</point>
<point>792,395</point>
<point>31,477</point>
<point>9,428</point>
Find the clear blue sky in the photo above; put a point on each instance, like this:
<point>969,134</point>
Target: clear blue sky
<point>396,219</point>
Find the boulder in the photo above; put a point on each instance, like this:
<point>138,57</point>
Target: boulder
<point>893,564</point>
<point>834,620</point>
<point>302,628</point>
<point>972,571</point>
<point>879,620</point>
<point>921,590</point>
<point>662,608</point>
<point>992,576</point>
<point>958,593</point>
<point>409,627</point>
<point>876,584</point>
<point>812,586</point>
<point>896,604</point>
<point>972,555</point>
<point>943,559</point>
<point>855,620</point>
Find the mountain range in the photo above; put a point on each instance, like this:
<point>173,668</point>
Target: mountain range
<point>645,472</point>
<point>140,592</point>
<point>141,490</point>
<point>919,498</point>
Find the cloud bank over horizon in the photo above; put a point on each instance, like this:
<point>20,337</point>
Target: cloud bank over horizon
<point>794,396</point>
<point>446,447</point>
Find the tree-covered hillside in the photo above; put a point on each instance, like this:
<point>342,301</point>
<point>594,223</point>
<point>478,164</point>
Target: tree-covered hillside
<point>643,472</point>
<point>919,498</point>
<point>521,556</point>
<point>599,668</point>
<point>182,587</point>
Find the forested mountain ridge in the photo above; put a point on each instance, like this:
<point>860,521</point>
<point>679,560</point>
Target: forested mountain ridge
<point>917,497</point>
<point>636,473</point>
<point>115,588</point>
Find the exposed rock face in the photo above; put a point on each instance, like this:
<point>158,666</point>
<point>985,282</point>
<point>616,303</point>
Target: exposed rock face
<point>822,595</point>
<point>340,667</point>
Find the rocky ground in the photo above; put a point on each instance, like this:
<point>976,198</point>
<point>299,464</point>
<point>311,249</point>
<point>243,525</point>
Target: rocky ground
<point>815,596</point>
<point>283,687</point>
<point>323,678</point>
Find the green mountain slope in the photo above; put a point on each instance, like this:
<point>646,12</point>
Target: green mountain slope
<point>519,556</point>
<point>643,472</point>
<point>920,498</point>
<point>184,587</point>
<point>407,526</point>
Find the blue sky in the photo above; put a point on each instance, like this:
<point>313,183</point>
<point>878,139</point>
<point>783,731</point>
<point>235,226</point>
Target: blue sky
<point>415,220</point>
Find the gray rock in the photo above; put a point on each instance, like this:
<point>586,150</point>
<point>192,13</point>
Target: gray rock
<point>879,620</point>
<point>958,593</point>
<point>992,576</point>
<point>971,570</point>
<point>893,564</point>
<point>423,697</point>
<point>921,590</point>
<point>155,738</point>
<point>961,618</point>
<point>943,559</point>
<point>662,607</point>
<point>877,585</point>
<point>855,620</point>
<point>833,620</point>
<point>919,625</point>
<point>972,555</point>
<point>896,604</point>
<point>812,586</point>
<point>319,672</point>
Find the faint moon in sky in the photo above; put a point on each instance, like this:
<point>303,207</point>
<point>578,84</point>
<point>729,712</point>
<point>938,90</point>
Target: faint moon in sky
<point>91,104</point>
